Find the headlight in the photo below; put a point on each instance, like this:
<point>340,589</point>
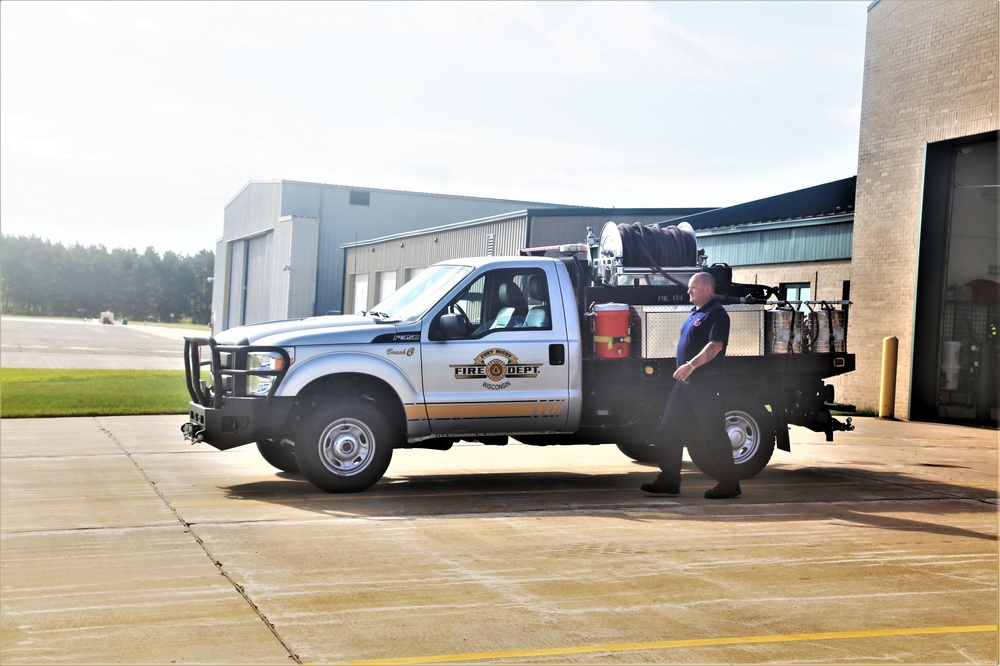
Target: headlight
<point>264,361</point>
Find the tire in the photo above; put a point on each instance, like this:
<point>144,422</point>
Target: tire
<point>279,454</point>
<point>644,453</point>
<point>346,447</point>
<point>751,432</point>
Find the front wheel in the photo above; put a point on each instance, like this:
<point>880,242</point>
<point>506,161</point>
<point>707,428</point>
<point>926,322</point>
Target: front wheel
<point>345,447</point>
<point>279,453</point>
<point>750,428</point>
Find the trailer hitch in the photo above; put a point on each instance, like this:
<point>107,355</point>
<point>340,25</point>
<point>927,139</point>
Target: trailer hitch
<point>193,432</point>
<point>836,425</point>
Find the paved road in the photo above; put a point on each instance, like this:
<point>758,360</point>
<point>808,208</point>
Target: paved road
<point>121,543</point>
<point>75,343</point>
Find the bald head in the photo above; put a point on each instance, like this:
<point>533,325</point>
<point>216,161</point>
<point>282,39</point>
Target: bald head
<point>701,289</point>
<point>706,279</point>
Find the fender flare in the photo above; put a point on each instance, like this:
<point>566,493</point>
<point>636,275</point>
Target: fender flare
<point>302,374</point>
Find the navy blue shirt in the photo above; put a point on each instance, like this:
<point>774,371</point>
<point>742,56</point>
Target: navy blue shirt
<point>709,324</point>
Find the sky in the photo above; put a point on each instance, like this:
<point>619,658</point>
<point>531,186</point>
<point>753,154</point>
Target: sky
<point>133,124</point>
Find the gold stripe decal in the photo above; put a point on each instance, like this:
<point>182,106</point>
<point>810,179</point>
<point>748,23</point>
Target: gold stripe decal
<point>487,410</point>
<point>549,408</point>
<point>415,412</point>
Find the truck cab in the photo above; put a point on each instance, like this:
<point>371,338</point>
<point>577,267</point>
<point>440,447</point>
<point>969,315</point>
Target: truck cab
<point>471,348</point>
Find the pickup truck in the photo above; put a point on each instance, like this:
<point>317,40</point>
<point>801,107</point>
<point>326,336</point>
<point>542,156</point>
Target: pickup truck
<point>490,348</point>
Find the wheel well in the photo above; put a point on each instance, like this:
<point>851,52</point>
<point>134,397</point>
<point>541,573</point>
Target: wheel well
<point>751,391</point>
<point>371,388</point>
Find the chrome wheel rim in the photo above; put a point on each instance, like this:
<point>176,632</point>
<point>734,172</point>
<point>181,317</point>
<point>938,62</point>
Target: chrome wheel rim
<point>744,436</point>
<point>346,446</point>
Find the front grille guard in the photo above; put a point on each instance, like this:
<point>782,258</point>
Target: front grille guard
<point>214,395</point>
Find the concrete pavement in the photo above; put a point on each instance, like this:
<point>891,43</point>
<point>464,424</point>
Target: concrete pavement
<point>35,342</point>
<point>121,543</point>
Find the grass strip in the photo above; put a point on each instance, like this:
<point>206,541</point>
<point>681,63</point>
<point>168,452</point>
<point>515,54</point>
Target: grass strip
<point>36,393</point>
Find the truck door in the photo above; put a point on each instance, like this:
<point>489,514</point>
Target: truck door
<point>499,365</point>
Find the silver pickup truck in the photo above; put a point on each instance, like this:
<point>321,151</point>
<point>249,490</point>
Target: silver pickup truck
<point>484,349</point>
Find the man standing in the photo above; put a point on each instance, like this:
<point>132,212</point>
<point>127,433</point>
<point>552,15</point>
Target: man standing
<point>695,413</point>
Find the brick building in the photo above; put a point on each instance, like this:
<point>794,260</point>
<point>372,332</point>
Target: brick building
<point>926,228</point>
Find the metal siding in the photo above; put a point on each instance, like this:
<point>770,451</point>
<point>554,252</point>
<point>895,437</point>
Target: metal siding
<point>254,210</point>
<point>421,250</point>
<point>260,266</point>
<point>559,230</point>
<point>394,213</point>
<point>236,277</point>
<point>220,282</point>
<point>330,267</point>
<point>257,208</point>
<point>776,246</point>
<point>301,199</point>
<point>302,268</point>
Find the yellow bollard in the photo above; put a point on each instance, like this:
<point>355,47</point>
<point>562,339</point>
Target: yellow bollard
<point>887,392</point>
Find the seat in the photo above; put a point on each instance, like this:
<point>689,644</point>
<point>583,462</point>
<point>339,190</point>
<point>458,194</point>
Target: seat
<point>513,307</point>
<point>538,314</point>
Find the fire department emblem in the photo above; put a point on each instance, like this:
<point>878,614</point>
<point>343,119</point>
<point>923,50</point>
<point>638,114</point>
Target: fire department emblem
<point>496,365</point>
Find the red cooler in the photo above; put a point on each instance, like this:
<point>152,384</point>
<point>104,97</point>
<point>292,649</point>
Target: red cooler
<point>611,330</point>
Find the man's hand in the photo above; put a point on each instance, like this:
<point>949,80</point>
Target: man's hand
<point>682,373</point>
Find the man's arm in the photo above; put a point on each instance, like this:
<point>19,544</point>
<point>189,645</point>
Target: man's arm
<point>703,357</point>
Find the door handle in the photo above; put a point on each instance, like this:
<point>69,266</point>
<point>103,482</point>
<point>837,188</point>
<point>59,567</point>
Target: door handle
<point>557,354</point>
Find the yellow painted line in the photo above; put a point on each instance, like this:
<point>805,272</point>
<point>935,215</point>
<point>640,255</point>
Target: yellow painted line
<point>688,643</point>
<point>911,438</point>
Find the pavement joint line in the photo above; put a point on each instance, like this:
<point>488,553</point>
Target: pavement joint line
<point>189,527</point>
<point>683,643</point>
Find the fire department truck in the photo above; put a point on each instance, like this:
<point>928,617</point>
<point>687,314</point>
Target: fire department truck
<point>562,345</point>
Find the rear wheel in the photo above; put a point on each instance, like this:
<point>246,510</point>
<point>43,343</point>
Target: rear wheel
<point>346,447</point>
<point>750,428</point>
<point>279,453</point>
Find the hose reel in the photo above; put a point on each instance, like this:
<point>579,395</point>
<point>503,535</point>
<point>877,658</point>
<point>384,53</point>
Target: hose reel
<point>636,248</point>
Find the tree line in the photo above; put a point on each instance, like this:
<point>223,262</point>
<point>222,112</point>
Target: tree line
<point>41,278</point>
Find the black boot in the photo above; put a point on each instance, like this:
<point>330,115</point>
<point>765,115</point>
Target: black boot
<point>661,487</point>
<point>724,490</point>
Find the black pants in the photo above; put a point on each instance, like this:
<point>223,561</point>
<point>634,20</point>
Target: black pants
<point>695,415</point>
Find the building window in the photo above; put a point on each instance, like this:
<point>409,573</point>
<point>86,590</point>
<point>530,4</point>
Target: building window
<point>797,291</point>
<point>360,197</point>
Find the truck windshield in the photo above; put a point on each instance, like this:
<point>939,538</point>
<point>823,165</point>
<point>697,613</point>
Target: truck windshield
<point>411,301</point>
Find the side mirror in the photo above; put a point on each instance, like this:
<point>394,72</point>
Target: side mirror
<point>453,326</point>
